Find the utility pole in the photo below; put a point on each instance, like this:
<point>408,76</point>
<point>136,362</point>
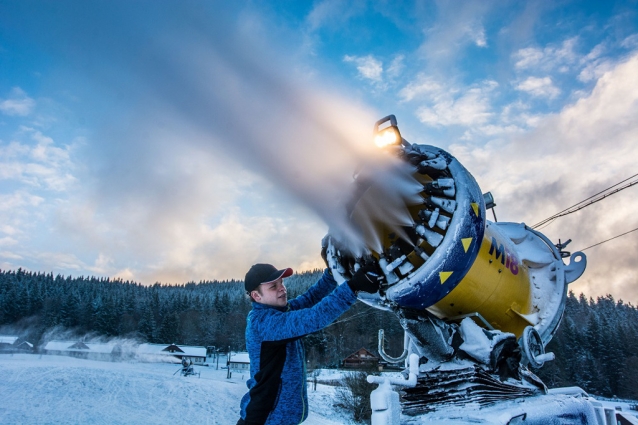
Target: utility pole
<point>229,373</point>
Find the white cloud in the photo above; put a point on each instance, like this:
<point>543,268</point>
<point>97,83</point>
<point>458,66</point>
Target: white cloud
<point>519,114</point>
<point>19,212</point>
<point>540,87</point>
<point>59,261</point>
<point>563,58</point>
<point>595,53</point>
<point>368,66</point>
<point>595,69</point>
<point>396,66</point>
<point>472,107</point>
<point>548,58</point>
<point>19,199</point>
<point>8,241</point>
<point>8,230</point>
<point>611,108</point>
<point>18,103</point>
<point>42,165</point>
<point>10,255</point>
<point>228,249</point>
<point>630,42</point>
<point>498,130</point>
<point>595,64</point>
<point>422,86</point>
<point>331,13</point>
<point>458,26</point>
<point>103,265</point>
<point>126,274</point>
<point>479,37</point>
<point>528,57</point>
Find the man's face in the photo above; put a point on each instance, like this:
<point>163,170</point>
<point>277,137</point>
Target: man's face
<point>272,293</point>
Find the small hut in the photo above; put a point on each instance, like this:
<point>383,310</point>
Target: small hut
<point>239,362</point>
<point>7,341</point>
<point>361,359</point>
<point>170,352</point>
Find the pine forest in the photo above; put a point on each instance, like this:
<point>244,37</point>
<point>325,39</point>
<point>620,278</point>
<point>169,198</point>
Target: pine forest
<point>596,345</point>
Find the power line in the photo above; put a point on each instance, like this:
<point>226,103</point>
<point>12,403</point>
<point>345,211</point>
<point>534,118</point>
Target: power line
<point>579,206</point>
<point>610,239</point>
<point>570,211</point>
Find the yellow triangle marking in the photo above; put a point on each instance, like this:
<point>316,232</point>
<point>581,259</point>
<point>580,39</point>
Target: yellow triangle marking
<point>466,243</point>
<point>475,208</point>
<point>444,276</point>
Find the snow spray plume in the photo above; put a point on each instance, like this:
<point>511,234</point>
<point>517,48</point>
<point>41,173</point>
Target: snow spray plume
<point>304,141</point>
<point>61,338</point>
<point>379,198</point>
<point>216,82</point>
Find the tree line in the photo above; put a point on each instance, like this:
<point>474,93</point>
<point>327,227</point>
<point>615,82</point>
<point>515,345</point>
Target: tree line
<point>40,306</point>
<point>596,345</point>
<point>596,348</point>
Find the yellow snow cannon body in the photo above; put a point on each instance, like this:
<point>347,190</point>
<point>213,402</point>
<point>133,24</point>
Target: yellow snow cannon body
<point>457,264</point>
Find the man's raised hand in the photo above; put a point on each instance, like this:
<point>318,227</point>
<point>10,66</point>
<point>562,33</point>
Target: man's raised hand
<point>366,279</point>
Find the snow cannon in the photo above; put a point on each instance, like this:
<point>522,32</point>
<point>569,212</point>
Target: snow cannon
<point>449,262</point>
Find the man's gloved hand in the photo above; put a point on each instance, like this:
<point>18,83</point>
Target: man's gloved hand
<point>366,279</point>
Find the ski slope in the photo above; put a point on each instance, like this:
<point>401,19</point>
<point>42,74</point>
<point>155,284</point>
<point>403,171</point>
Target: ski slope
<point>46,389</point>
<point>42,389</point>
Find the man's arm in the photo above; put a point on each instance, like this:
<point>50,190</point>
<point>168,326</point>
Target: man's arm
<point>278,325</point>
<point>325,285</point>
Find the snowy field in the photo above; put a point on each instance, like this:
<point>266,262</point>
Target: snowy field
<point>37,389</point>
<point>45,389</point>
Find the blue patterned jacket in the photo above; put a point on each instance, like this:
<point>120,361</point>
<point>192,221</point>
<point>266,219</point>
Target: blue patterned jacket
<point>277,393</point>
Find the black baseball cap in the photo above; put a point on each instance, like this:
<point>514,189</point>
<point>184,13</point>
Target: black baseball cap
<point>263,273</point>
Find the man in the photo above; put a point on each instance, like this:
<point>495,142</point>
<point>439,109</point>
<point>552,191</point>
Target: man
<point>277,393</point>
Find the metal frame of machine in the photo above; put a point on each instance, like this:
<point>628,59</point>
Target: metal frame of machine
<point>451,266</point>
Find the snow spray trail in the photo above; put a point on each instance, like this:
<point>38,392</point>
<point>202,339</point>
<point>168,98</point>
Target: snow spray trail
<point>217,80</point>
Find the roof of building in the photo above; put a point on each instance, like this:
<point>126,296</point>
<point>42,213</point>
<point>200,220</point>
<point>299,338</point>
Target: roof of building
<point>239,358</point>
<point>192,351</point>
<point>80,346</point>
<point>8,339</point>
<point>115,347</point>
<point>362,354</point>
<point>161,349</point>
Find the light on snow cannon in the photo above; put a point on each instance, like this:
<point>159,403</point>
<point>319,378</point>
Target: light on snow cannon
<point>387,136</point>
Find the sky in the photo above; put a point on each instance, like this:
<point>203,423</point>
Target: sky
<point>169,142</point>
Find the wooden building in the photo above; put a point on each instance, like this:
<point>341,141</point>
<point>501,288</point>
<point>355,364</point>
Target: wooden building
<point>170,352</point>
<point>361,359</point>
<point>239,362</point>
<point>107,351</point>
<point>7,341</point>
<point>14,344</point>
<point>123,349</point>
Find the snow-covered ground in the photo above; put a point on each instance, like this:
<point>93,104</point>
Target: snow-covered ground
<point>46,389</point>
<point>42,389</point>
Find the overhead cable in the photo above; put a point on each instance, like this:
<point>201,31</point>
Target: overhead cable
<point>610,239</point>
<point>592,200</point>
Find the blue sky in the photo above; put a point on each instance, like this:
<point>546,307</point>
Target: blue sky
<point>178,141</point>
